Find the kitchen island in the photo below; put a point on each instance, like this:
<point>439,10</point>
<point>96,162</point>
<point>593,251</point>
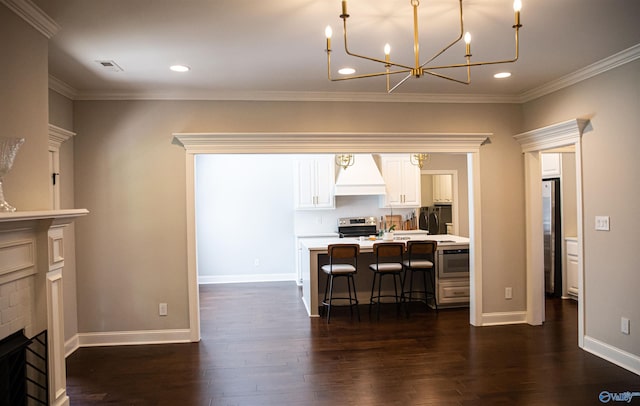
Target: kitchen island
<point>314,255</point>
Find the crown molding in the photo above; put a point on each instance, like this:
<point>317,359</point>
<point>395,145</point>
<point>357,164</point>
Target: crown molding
<point>369,97</point>
<point>32,14</point>
<point>63,88</point>
<point>552,136</point>
<point>58,135</point>
<point>313,142</point>
<point>604,65</point>
<point>612,62</point>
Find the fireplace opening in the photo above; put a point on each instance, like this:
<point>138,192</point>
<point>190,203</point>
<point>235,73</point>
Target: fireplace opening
<point>23,370</point>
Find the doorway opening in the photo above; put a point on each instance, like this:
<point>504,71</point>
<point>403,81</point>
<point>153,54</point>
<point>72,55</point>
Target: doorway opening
<point>533,143</point>
<point>332,143</point>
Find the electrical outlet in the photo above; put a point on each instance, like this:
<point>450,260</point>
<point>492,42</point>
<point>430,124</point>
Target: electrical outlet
<point>163,309</point>
<point>602,223</point>
<point>624,325</point>
<point>256,262</point>
<point>508,293</point>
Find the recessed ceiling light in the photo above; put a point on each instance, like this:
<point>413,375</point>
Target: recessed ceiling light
<point>180,68</point>
<point>502,75</point>
<point>346,71</point>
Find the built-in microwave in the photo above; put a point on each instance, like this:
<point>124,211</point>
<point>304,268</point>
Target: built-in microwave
<point>453,263</point>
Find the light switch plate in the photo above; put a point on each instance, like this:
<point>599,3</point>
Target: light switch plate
<point>163,309</point>
<point>624,325</point>
<point>602,223</point>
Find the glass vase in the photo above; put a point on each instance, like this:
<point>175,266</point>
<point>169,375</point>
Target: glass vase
<point>8,150</point>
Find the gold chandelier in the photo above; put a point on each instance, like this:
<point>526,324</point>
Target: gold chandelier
<point>344,160</point>
<point>419,69</point>
<point>419,159</point>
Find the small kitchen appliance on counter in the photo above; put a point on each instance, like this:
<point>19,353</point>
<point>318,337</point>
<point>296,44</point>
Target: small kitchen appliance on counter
<point>357,226</point>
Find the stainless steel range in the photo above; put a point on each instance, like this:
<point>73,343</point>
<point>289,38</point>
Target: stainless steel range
<point>357,226</point>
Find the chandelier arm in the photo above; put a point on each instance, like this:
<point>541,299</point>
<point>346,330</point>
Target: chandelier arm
<point>441,76</point>
<point>370,75</point>
<point>455,41</point>
<point>399,83</point>
<point>348,52</point>
<point>469,64</point>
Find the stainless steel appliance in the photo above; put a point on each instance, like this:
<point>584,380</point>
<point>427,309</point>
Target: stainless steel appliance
<point>435,218</point>
<point>453,263</point>
<point>551,240</point>
<point>357,226</point>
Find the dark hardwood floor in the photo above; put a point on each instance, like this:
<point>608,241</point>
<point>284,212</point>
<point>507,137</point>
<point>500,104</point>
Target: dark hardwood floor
<point>259,348</point>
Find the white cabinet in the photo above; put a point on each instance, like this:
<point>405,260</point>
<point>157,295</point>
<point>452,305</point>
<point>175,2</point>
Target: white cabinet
<point>453,292</point>
<point>572,266</point>
<point>314,178</point>
<point>442,189</point>
<point>402,180</point>
<point>550,164</point>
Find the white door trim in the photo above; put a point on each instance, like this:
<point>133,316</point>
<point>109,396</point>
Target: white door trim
<point>532,143</point>
<point>304,142</point>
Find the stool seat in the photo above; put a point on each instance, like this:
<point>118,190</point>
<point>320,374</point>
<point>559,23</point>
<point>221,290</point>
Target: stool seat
<point>386,267</point>
<point>418,264</point>
<point>338,268</point>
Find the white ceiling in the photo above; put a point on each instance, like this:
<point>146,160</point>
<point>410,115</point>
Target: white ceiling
<point>260,49</point>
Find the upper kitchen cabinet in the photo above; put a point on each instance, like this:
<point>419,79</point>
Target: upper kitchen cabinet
<point>551,165</point>
<point>442,189</point>
<point>402,180</point>
<point>314,178</point>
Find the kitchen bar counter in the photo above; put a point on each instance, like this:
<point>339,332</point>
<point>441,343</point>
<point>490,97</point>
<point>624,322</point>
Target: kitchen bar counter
<point>312,248</point>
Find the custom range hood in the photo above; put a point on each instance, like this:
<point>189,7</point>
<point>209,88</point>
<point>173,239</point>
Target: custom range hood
<point>362,178</point>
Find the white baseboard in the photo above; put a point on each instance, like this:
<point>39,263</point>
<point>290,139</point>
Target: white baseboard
<point>141,337</point>
<point>501,318</point>
<point>277,277</point>
<point>71,345</point>
<point>612,354</point>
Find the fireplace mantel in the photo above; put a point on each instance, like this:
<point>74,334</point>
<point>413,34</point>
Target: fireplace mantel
<point>31,269</point>
<point>57,215</point>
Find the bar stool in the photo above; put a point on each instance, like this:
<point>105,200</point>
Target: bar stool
<point>388,262</point>
<point>420,258</point>
<point>343,262</point>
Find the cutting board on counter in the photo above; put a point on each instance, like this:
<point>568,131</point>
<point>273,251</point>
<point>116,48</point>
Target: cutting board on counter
<point>396,220</point>
<point>399,223</point>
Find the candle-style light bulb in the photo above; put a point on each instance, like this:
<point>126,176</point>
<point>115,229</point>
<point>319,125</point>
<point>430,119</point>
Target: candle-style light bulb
<point>328,32</point>
<point>387,49</point>
<point>467,41</point>
<point>517,6</point>
<point>344,8</point>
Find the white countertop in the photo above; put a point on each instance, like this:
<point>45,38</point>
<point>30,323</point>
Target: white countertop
<point>444,240</point>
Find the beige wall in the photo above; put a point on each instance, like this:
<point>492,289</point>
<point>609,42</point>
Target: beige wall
<point>132,248</point>
<point>24,110</point>
<point>611,188</point>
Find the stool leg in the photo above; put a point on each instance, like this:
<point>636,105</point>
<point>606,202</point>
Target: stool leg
<point>424,280</point>
<point>355,294</point>
<point>379,287</point>
<point>350,299</point>
<point>410,291</point>
<point>330,299</point>
<point>432,278</point>
<point>326,289</point>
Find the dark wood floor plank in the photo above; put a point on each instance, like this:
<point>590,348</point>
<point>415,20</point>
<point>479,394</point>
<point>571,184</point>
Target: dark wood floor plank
<point>259,348</point>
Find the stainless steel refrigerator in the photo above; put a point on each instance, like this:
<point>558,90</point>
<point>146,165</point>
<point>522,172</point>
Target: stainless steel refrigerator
<point>435,218</point>
<point>551,224</point>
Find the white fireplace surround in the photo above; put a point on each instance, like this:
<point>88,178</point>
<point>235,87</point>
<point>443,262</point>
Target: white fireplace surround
<point>31,296</point>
